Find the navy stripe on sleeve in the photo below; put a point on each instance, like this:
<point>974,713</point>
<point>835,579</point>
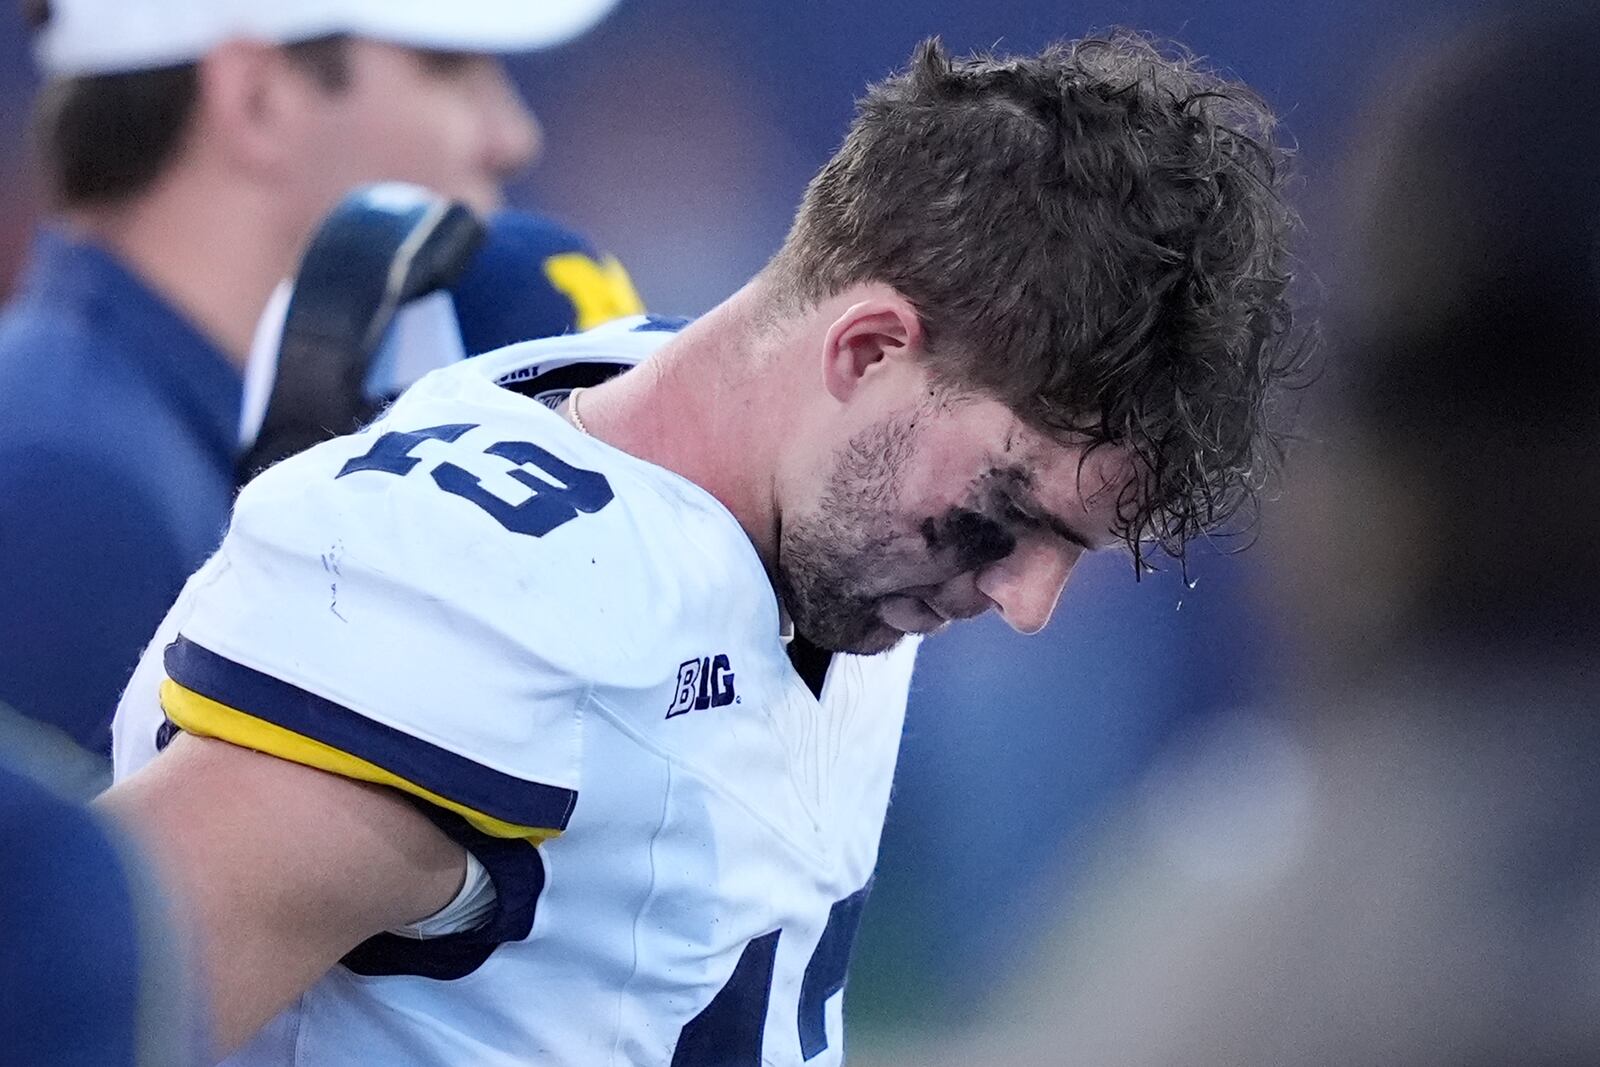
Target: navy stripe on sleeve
<point>457,778</point>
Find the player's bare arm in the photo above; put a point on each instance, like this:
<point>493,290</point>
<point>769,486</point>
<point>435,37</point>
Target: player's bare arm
<point>280,869</point>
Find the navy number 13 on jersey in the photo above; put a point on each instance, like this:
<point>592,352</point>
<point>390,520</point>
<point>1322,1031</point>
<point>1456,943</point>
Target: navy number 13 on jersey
<point>560,490</point>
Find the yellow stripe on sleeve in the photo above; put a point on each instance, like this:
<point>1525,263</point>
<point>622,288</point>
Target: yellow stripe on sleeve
<point>205,717</point>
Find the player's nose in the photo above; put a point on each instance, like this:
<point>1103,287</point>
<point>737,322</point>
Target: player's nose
<point>1025,585</point>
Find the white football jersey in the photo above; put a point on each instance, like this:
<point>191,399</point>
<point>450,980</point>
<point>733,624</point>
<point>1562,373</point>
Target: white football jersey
<point>572,660</point>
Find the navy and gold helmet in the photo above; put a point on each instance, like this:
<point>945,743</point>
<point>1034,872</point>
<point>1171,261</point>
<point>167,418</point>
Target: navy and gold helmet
<point>398,281</point>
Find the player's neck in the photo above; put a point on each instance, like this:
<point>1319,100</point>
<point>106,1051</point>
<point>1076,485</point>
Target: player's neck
<point>697,409</point>
<point>214,259</point>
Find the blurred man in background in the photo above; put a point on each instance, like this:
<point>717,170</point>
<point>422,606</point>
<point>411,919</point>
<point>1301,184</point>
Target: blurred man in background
<point>1404,868</point>
<point>189,147</point>
<point>95,973</point>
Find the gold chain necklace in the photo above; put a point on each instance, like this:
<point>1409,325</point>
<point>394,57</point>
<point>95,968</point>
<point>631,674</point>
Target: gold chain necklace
<point>572,411</point>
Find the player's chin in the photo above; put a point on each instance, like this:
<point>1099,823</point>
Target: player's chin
<point>909,615</point>
<point>890,620</point>
<point>868,627</point>
<point>867,636</point>
<point>881,638</point>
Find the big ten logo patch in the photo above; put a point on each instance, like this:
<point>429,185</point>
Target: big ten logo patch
<point>703,683</point>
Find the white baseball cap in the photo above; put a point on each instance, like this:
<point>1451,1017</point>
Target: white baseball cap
<point>109,36</point>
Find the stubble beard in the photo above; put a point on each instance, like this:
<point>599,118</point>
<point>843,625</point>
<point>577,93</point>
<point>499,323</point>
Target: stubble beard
<point>830,558</point>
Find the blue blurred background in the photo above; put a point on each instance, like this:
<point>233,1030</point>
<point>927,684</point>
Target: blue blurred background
<point>679,137</point>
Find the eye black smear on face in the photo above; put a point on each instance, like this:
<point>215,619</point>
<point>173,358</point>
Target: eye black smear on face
<point>980,537</point>
<point>977,540</point>
<point>1011,496</point>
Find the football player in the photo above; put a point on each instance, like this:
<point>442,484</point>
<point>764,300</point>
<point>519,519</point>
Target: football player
<point>503,733</point>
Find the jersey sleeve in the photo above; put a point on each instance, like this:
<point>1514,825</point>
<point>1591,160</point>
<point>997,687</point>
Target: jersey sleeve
<point>209,694</point>
<point>384,608</point>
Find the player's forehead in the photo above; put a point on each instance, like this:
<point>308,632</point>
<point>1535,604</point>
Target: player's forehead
<point>1040,453</point>
<point>1069,479</point>
<point>1087,475</point>
<point>1006,461</point>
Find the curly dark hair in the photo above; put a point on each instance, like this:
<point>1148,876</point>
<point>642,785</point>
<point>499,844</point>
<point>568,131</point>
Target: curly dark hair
<point>1096,237</point>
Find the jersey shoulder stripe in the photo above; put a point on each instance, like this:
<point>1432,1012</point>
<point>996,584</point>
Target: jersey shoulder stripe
<point>211,695</point>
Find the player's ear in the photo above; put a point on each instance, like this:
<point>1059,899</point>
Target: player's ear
<point>878,330</point>
<point>251,105</point>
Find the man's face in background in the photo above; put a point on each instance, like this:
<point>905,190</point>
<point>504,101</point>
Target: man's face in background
<point>452,122</point>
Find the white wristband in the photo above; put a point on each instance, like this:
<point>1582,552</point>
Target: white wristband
<point>470,907</point>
